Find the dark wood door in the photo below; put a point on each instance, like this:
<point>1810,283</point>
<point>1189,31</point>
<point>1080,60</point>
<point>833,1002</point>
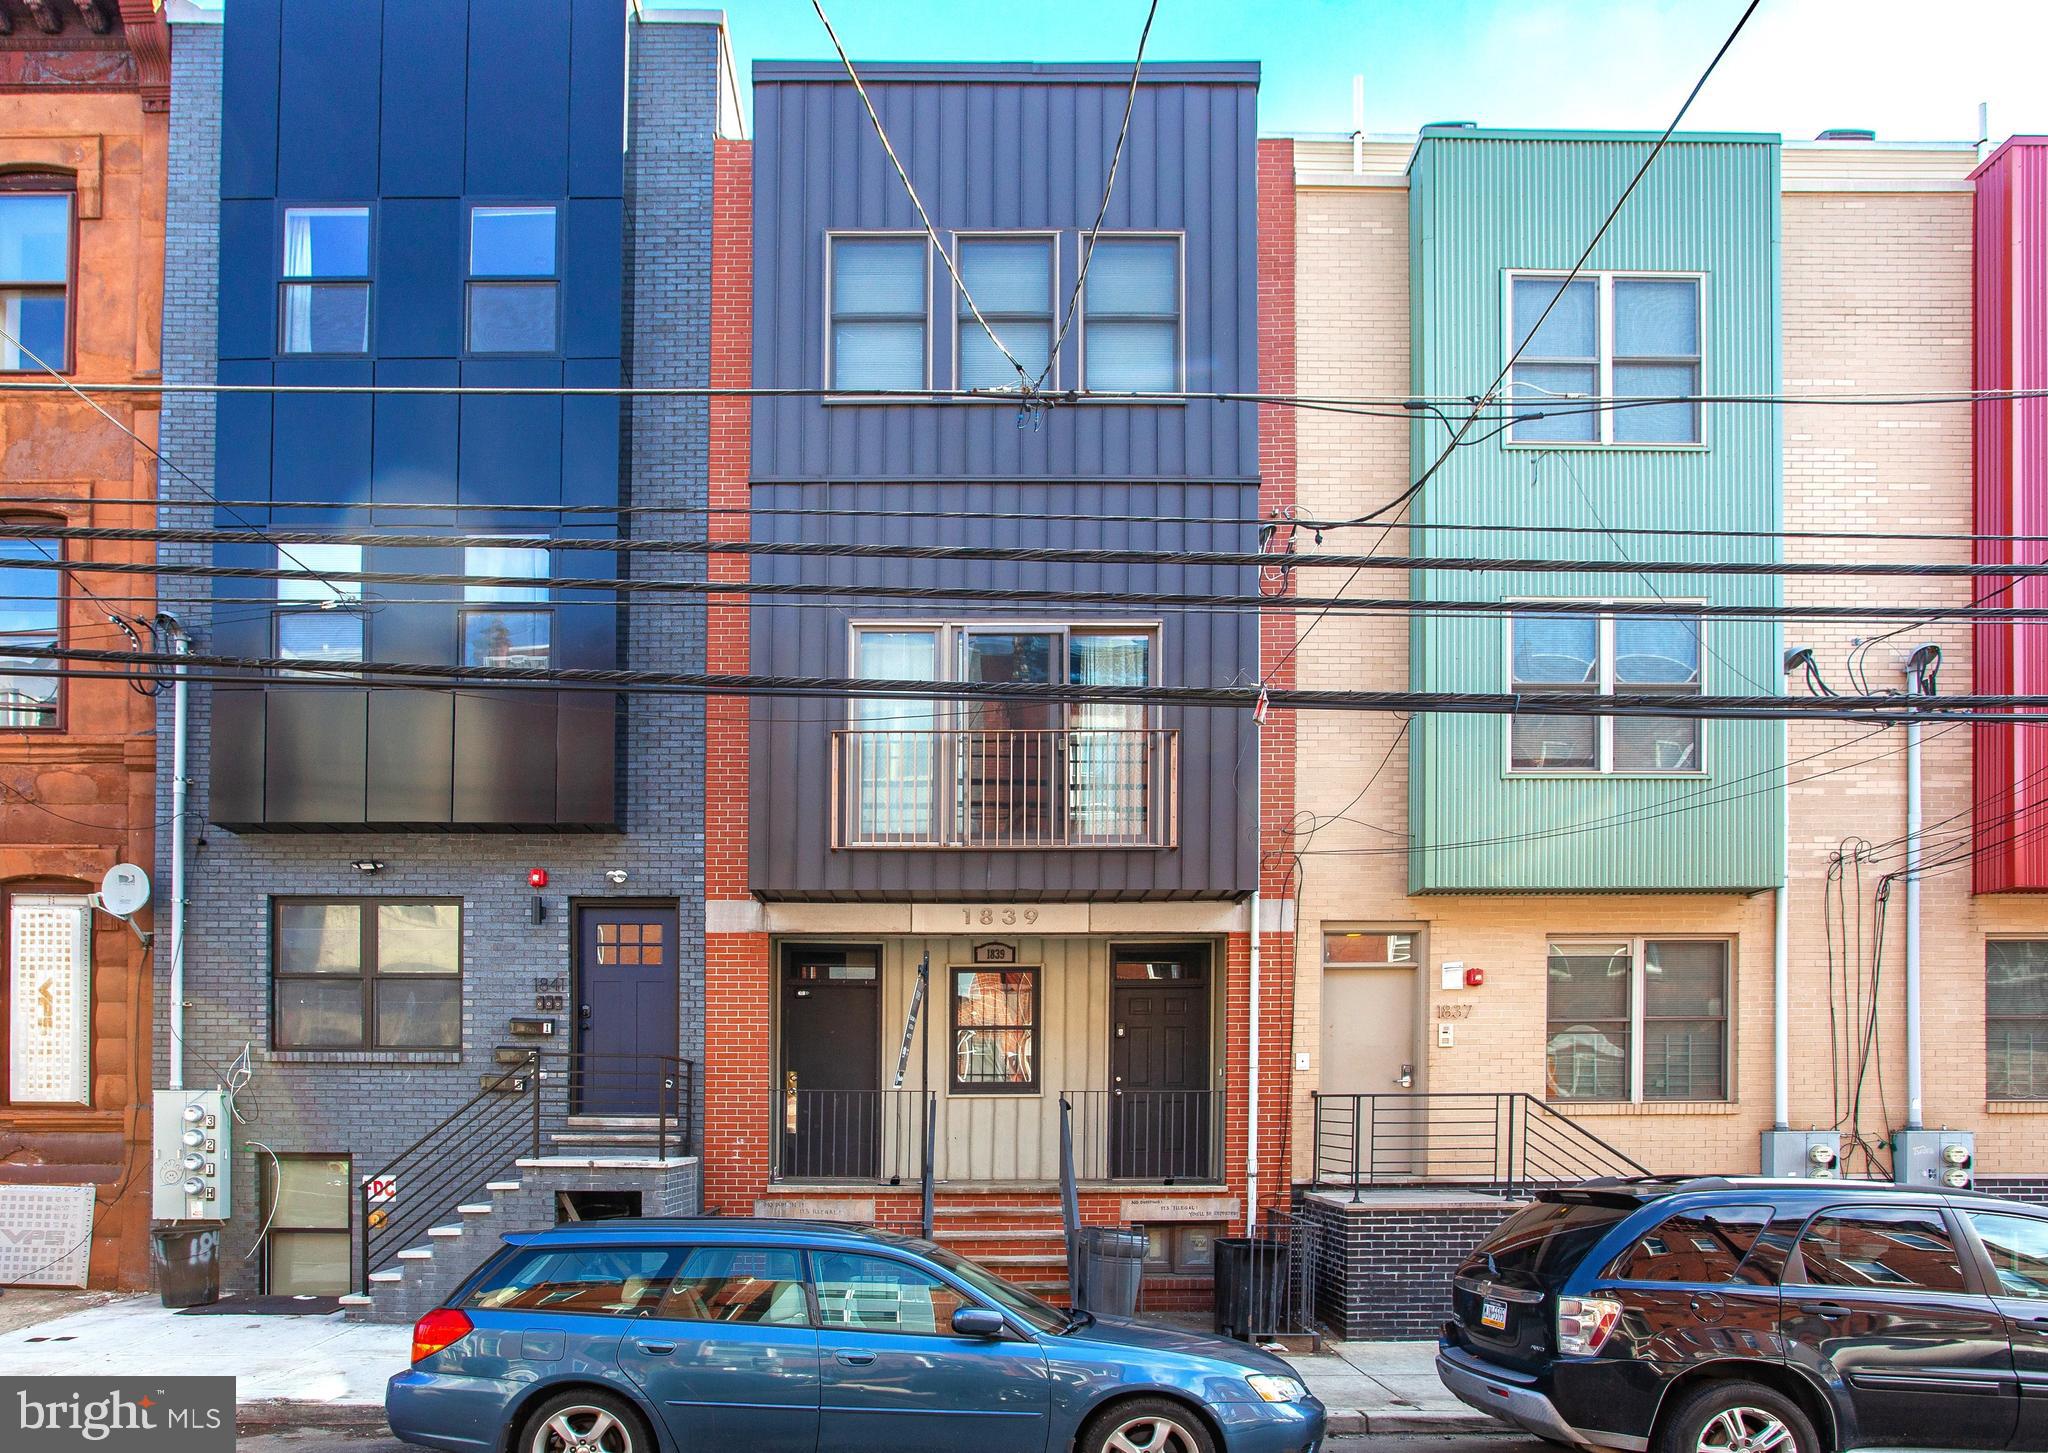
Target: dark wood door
<point>1161,1104</point>
<point>828,1106</point>
<point>625,1011</point>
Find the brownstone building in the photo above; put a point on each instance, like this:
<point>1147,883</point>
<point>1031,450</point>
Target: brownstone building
<point>84,103</point>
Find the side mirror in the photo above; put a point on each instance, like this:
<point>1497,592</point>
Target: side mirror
<point>978,1322</point>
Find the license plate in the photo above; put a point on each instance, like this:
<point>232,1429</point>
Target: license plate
<point>1494,1314</point>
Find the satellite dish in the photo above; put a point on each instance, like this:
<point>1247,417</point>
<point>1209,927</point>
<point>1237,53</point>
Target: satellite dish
<point>124,889</point>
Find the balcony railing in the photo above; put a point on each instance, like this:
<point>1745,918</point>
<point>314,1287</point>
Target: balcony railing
<point>993,790</point>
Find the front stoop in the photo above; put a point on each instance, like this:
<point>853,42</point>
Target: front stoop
<point>422,1277</point>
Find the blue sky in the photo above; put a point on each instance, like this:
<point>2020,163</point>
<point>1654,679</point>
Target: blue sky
<point>1909,68</point>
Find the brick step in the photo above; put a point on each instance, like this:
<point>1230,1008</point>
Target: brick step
<point>1026,1258</point>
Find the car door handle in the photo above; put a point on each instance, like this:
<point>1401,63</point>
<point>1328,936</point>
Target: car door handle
<point>656,1349</point>
<point>856,1359</point>
<point>1829,1311</point>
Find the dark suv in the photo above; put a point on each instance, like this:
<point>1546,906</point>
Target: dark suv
<point>1731,1315</point>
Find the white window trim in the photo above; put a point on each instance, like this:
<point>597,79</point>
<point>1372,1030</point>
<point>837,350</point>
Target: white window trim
<point>1051,239</point>
<point>1418,949</point>
<point>1180,263</point>
<point>1604,418</point>
<point>832,238</point>
<point>21,1031</point>
<point>1608,607</point>
<point>1636,1019</point>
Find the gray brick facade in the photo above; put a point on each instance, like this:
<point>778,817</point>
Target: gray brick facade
<point>371,1105</point>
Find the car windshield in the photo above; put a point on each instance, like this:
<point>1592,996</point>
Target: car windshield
<point>1021,1304</point>
<point>1540,1245</point>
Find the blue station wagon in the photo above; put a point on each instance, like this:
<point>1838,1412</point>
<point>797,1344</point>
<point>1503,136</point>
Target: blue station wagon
<point>772,1336</point>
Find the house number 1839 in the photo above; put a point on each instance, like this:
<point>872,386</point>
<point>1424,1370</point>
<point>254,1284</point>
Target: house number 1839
<point>994,917</point>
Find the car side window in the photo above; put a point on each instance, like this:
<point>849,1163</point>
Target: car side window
<point>619,1281</point>
<point>743,1285</point>
<point>1695,1246</point>
<point>2019,1253</point>
<point>879,1294</point>
<point>1881,1248</point>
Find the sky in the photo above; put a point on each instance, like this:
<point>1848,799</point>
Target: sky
<point>1903,67</point>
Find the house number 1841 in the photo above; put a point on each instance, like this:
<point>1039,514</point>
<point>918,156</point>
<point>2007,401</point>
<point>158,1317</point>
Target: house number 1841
<point>994,917</point>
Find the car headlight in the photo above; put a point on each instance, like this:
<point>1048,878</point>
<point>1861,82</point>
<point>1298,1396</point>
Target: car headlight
<point>1276,1389</point>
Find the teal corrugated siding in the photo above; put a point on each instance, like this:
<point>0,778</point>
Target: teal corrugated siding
<point>1481,207</point>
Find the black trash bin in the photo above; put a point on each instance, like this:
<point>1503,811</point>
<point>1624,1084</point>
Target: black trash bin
<point>1251,1286</point>
<point>186,1260</point>
<point>1112,1266</point>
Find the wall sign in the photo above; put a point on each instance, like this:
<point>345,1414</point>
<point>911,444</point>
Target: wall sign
<point>995,953</point>
<point>50,1024</point>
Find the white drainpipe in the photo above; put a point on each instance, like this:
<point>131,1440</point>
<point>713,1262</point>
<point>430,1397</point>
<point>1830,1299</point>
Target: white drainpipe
<point>1913,1090</point>
<point>1251,1138</point>
<point>1781,939</point>
<point>181,644</point>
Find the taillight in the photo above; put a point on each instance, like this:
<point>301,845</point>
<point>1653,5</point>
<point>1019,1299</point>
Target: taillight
<point>1584,1324</point>
<point>441,1328</point>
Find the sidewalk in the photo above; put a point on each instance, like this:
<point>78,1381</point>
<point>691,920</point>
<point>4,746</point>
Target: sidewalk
<point>324,1372</point>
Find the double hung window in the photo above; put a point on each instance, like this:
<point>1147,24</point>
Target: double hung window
<point>1010,280</point>
<point>307,1208</point>
<point>326,283</point>
<point>320,619</point>
<point>880,290</point>
<point>514,280</point>
<point>35,272</point>
<point>1616,337</point>
<point>1638,1019</point>
<point>1604,653</point>
<point>1131,316</point>
<point>507,625</point>
<point>366,973</point>
<point>31,616</point>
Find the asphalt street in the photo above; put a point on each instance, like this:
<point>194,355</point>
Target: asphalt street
<point>319,1441</point>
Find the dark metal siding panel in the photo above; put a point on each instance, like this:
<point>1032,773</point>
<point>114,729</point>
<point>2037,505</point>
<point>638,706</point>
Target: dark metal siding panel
<point>417,303</point>
<point>791,759</point>
<point>249,99</point>
<point>1003,154</point>
<point>329,86</point>
<point>235,764</point>
<point>505,758</point>
<point>315,744</point>
<point>597,99</point>
<point>411,756</point>
<point>518,134</point>
<point>586,766</point>
<point>422,149</point>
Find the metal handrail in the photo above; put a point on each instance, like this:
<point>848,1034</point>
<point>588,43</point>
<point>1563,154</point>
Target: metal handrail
<point>1510,1139</point>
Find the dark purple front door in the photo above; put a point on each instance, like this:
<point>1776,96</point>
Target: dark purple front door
<point>625,1009</point>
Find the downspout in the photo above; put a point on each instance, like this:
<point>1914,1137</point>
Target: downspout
<point>1919,682</point>
<point>1251,1128</point>
<point>181,645</point>
<point>1781,936</point>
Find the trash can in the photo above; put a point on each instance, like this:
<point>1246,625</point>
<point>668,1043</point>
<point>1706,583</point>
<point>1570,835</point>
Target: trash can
<point>186,1260</point>
<point>1251,1286</point>
<point>1112,1265</point>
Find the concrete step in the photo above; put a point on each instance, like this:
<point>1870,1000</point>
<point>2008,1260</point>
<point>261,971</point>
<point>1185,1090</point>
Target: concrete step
<point>505,1187</point>
<point>454,1230</point>
<point>980,1208</point>
<point>417,1253</point>
<point>476,1208</point>
<point>954,1235</point>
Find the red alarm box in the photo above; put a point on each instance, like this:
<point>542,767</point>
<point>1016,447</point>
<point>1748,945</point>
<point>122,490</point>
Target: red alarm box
<point>1475,978</point>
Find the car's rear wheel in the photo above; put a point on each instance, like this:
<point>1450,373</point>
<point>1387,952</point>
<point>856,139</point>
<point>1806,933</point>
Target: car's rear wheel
<point>1146,1425</point>
<point>584,1421</point>
<point>1737,1417</point>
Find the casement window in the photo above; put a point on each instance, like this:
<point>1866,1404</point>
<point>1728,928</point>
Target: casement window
<point>506,625</point>
<point>307,1203</point>
<point>1604,652</point>
<point>514,280</point>
<point>326,287</point>
<point>1011,281</point>
<point>2016,1018</point>
<point>49,999</point>
<point>1610,336</point>
<point>36,223</point>
<point>320,620</point>
<point>995,1030</point>
<point>1638,1019</point>
<point>879,292</point>
<point>366,973</point>
<point>31,616</point>
<point>1131,316</point>
<point>1367,948</point>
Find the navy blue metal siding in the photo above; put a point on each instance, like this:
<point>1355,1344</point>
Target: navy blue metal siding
<point>1005,147</point>
<point>791,738</point>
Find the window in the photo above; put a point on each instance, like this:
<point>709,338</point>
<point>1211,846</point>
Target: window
<point>1604,653</point>
<point>610,1281</point>
<point>738,1284</point>
<point>1705,1247</point>
<point>499,637</point>
<point>1010,279</point>
<point>327,280</point>
<point>1881,1247</point>
<point>35,272</point>
<point>879,291</point>
<point>1638,1019</point>
<point>995,1029</point>
<point>1607,336</point>
<point>319,620</point>
<point>1367,948</point>
<point>875,1294</point>
<point>2018,1246</point>
<point>1130,315</point>
<point>31,615</point>
<point>49,999</point>
<point>307,1208</point>
<point>366,973</point>
<point>514,280</point>
<point>2016,1018</point>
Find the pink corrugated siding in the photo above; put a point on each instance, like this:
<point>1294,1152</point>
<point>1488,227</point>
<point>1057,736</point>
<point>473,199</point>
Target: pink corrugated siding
<point>2012,498</point>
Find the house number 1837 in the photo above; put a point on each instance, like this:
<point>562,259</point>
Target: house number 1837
<point>994,917</point>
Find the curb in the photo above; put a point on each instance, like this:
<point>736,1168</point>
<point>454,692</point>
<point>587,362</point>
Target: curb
<point>285,1415</point>
<point>1356,1422</point>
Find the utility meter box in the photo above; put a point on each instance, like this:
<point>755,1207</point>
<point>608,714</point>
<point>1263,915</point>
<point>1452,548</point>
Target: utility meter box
<point>1935,1159</point>
<point>1814,1155</point>
<point>193,1152</point>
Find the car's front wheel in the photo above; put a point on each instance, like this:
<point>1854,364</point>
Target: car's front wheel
<point>1146,1425</point>
<point>584,1421</point>
<point>1737,1417</point>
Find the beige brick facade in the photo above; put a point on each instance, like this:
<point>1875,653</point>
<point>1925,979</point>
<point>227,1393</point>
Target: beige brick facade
<point>1877,297</point>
